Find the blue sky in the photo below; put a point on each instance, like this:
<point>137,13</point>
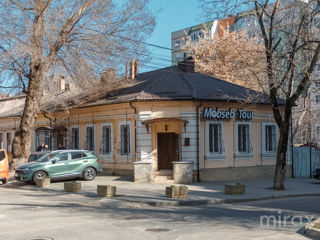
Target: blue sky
<point>171,15</point>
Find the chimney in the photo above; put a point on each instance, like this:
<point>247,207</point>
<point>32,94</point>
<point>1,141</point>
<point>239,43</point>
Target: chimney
<point>127,75</point>
<point>186,65</point>
<point>134,69</point>
<point>62,83</point>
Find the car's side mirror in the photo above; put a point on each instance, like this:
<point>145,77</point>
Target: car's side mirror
<point>54,161</point>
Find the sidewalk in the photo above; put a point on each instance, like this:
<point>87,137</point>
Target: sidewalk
<point>201,193</point>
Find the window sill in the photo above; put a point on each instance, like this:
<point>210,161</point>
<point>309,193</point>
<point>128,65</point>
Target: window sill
<point>125,158</point>
<point>267,155</point>
<point>107,157</point>
<point>243,156</point>
<point>106,154</point>
<point>215,157</point>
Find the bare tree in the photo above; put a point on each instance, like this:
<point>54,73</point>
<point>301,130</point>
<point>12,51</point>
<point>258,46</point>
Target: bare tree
<point>81,37</point>
<point>289,33</point>
<point>233,57</point>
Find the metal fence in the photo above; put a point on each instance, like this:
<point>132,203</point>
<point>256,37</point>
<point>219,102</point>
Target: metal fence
<point>305,161</point>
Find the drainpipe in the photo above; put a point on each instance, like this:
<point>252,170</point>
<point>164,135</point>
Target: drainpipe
<point>135,130</point>
<point>292,160</point>
<point>198,142</point>
<point>310,156</point>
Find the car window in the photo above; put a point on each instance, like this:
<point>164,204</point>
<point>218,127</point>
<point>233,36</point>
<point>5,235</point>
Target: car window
<point>35,156</point>
<point>77,155</point>
<point>2,155</point>
<point>62,157</point>
<point>46,158</point>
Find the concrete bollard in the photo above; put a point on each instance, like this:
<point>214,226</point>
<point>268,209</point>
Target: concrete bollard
<point>43,182</point>
<point>182,172</point>
<point>106,190</point>
<point>177,191</point>
<point>313,229</point>
<point>72,186</point>
<point>142,172</point>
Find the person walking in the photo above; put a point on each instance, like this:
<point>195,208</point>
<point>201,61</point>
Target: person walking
<point>41,147</point>
<point>61,147</point>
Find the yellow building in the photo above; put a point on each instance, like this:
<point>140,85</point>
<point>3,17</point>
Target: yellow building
<point>11,109</point>
<point>170,116</point>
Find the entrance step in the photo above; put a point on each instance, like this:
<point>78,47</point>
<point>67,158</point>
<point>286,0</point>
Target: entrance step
<point>164,172</point>
<point>163,176</point>
<point>163,179</point>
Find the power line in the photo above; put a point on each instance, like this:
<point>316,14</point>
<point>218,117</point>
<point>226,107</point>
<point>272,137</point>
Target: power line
<point>145,43</point>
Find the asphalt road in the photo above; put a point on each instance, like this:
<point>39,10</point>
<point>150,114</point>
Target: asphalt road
<point>59,216</point>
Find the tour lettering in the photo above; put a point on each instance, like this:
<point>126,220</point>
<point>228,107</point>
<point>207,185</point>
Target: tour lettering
<point>209,113</point>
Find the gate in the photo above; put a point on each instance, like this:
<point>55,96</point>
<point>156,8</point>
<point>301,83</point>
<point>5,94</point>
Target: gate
<point>305,161</point>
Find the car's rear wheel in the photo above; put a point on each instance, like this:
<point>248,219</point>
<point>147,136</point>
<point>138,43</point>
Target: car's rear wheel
<point>89,174</point>
<point>39,175</point>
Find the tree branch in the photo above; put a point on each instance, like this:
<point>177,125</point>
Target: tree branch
<point>18,4</point>
<point>65,33</point>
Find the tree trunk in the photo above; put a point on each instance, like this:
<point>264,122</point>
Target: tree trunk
<point>23,137</point>
<point>281,165</point>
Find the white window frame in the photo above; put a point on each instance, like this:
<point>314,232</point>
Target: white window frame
<point>78,127</point>
<point>94,137</point>
<point>177,44</point>
<point>50,138</point>
<point>127,157</point>
<point>211,156</point>
<point>108,156</point>
<point>36,145</point>
<point>9,143</point>
<point>241,155</point>
<point>265,153</point>
<point>316,133</point>
<point>1,142</point>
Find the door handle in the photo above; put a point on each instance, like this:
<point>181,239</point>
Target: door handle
<point>85,161</point>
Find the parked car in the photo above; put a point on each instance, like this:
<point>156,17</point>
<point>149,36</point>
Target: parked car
<point>4,166</point>
<point>316,173</point>
<point>61,165</point>
<point>36,155</point>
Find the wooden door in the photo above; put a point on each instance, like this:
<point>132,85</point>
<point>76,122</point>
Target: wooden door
<point>167,150</point>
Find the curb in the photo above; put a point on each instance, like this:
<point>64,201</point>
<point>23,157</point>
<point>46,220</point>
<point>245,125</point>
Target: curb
<point>164,203</point>
<point>311,229</point>
<point>180,202</point>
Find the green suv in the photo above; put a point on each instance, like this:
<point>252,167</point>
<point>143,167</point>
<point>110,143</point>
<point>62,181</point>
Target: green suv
<point>61,165</point>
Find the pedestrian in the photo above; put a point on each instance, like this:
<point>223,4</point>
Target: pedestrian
<point>46,147</point>
<point>40,148</point>
<point>61,147</point>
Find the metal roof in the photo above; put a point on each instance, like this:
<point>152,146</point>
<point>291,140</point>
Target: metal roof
<point>171,83</point>
<point>166,84</point>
